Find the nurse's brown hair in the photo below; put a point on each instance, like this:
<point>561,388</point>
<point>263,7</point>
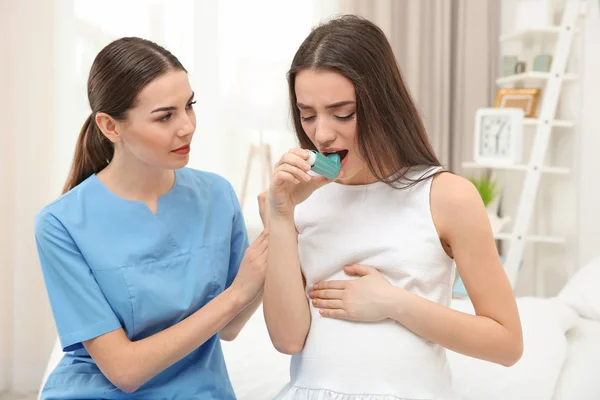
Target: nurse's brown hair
<point>119,73</point>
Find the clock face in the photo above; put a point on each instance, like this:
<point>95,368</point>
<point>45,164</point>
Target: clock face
<point>495,136</point>
<point>498,136</point>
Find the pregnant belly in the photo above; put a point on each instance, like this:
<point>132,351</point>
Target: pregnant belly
<point>378,358</point>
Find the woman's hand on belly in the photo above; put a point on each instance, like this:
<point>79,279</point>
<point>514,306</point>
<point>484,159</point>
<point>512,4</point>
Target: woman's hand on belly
<point>367,299</point>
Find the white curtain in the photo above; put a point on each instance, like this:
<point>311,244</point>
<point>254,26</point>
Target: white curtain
<point>28,107</point>
<point>237,54</point>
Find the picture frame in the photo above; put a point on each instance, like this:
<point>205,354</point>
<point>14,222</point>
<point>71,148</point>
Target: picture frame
<point>508,65</point>
<point>520,67</point>
<point>526,99</point>
<point>542,62</point>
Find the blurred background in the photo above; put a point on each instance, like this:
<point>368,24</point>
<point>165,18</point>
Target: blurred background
<point>456,55</point>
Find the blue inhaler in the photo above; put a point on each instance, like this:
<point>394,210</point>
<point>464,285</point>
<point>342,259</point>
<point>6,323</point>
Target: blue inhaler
<point>327,166</point>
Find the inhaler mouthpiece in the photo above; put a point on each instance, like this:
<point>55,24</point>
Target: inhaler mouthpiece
<point>327,166</point>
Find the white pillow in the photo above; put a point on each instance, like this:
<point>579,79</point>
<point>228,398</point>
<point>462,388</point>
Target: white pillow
<point>579,378</point>
<point>581,291</point>
<point>545,323</point>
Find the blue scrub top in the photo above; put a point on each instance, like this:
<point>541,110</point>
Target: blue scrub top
<point>110,263</point>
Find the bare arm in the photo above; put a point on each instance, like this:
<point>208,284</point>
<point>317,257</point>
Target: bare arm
<point>128,365</point>
<point>494,333</point>
<point>235,326</point>
<point>285,306</point>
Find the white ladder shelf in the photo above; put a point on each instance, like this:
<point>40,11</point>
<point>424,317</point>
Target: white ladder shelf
<point>543,128</point>
<point>540,145</point>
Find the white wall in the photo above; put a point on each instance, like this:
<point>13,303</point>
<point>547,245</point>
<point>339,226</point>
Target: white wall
<point>589,156</point>
<point>567,205</point>
<point>27,130</point>
<point>6,201</point>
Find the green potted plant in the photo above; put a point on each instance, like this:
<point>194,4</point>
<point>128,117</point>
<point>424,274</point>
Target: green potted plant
<point>486,187</point>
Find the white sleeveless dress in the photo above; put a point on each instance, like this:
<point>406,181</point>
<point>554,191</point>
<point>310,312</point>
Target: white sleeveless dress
<point>392,230</point>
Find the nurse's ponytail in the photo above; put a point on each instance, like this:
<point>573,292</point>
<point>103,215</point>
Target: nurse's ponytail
<point>119,73</point>
<point>93,152</point>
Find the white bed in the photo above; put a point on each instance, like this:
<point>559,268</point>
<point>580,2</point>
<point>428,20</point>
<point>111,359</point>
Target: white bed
<point>561,360</point>
<point>561,357</point>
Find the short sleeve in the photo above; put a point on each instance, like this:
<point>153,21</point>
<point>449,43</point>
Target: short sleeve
<point>81,311</point>
<point>239,239</point>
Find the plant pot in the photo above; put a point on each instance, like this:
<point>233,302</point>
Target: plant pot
<point>497,222</point>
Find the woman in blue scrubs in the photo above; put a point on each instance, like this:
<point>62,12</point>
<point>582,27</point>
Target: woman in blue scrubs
<point>146,262</point>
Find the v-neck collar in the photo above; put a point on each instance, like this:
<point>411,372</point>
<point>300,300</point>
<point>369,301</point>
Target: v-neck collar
<point>140,203</point>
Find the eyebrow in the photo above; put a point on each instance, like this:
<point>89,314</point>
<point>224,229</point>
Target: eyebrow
<point>170,108</point>
<point>334,105</point>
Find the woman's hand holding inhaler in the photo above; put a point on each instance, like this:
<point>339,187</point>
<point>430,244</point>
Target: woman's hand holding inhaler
<point>291,183</point>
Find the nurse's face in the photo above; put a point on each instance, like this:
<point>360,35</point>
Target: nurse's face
<point>158,130</point>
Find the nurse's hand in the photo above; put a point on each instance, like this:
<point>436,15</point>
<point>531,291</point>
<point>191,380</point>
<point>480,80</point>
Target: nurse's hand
<point>263,209</point>
<point>250,278</point>
<point>291,184</point>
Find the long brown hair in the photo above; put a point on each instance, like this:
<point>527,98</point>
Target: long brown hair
<point>119,73</point>
<point>391,134</point>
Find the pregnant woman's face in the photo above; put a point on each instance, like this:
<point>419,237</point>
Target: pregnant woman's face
<point>327,104</point>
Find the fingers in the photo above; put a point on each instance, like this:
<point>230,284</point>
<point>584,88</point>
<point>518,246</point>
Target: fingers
<point>327,294</point>
<point>331,285</point>
<point>298,173</point>
<point>294,163</point>
<point>280,177</point>
<point>262,258</point>
<point>336,314</point>
<point>264,246</point>
<point>302,153</point>
<point>261,243</point>
<point>329,304</point>
<point>357,269</point>
<point>295,157</point>
<point>263,206</point>
<point>263,236</point>
<point>258,247</point>
<point>263,198</point>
